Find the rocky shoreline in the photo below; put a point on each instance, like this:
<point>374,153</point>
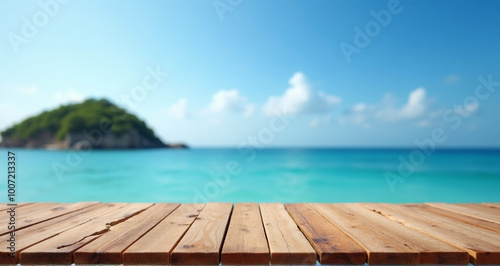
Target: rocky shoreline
<point>86,140</point>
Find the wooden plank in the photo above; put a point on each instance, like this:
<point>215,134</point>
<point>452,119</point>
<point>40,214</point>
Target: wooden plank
<point>32,209</point>
<point>480,251</point>
<point>59,249</point>
<point>495,205</point>
<point>332,245</point>
<point>421,228</point>
<point>471,230</point>
<point>475,210</point>
<point>37,233</point>
<point>47,212</point>
<point>154,247</point>
<point>37,206</point>
<point>108,248</point>
<point>287,244</point>
<point>388,242</point>
<point>203,241</point>
<point>6,206</point>
<point>40,206</point>
<point>466,219</point>
<point>245,241</point>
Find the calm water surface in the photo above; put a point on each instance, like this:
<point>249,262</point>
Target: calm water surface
<point>272,175</point>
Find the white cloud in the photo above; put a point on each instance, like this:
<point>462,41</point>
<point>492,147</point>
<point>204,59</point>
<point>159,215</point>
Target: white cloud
<point>178,110</point>
<point>230,101</point>
<point>416,107</point>
<point>454,78</point>
<point>358,114</point>
<point>360,107</point>
<point>29,91</point>
<point>68,96</point>
<point>300,98</point>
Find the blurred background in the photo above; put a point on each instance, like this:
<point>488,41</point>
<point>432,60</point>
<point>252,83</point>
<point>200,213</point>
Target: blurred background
<point>325,101</point>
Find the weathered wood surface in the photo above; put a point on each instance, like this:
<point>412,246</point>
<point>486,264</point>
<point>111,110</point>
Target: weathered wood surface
<point>481,251</point>
<point>470,220</point>
<point>39,212</point>
<point>35,234</point>
<point>203,241</point>
<point>7,206</point>
<point>109,247</point>
<point>155,247</point>
<point>490,213</point>
<point>245,241</point>
<point>60,248</point>
<point>287,244</point>
<point>496,205</point>
<point>388,242</point>
<point>331,244</point>
<point>251,233</point>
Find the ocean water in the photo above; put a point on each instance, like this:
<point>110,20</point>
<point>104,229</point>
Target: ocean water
<point>268,175</point>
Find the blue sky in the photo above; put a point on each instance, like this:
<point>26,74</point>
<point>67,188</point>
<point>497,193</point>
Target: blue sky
<point>233,64</point>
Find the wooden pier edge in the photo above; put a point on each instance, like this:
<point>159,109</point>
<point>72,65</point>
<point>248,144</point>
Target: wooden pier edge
<point>251,233</point>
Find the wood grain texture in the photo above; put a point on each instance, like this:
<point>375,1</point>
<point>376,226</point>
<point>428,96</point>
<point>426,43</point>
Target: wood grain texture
<point>475,210</point>
<point>466,219</point>
<point>292,233</point>
<point>108,248</point>
<point>494,205</point>
<point>59,249</point>
<point>480,251</point>
<point>471,230</point>
<point>5,206</point>
<point>37,233</point>
<point>28,211</point>
<point>35,213</point>
<point>332,245</point>
<point>38,207</point>
<point>245,241</point>
<point>388,242</point>
<point>287,244</point>
<point>154,248</point>
<point>203,241</point>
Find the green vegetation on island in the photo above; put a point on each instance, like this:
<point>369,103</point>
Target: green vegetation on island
<point>67,124</point>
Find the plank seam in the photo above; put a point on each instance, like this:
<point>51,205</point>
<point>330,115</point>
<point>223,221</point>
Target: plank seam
<point>305,236</point>
<point>342,230</point>
<point>265,234</point>
<point>121,253</point>
<point>101,233</point>
<point>48,219</point>
<point>225,232</point>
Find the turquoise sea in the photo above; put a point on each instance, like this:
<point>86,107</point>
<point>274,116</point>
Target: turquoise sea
<point>267,175</point>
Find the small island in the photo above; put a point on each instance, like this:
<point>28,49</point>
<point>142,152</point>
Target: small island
<point>92,124</point>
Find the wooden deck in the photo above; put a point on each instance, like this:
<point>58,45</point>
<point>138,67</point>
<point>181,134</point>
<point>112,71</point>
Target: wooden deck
<point>250,233</point>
